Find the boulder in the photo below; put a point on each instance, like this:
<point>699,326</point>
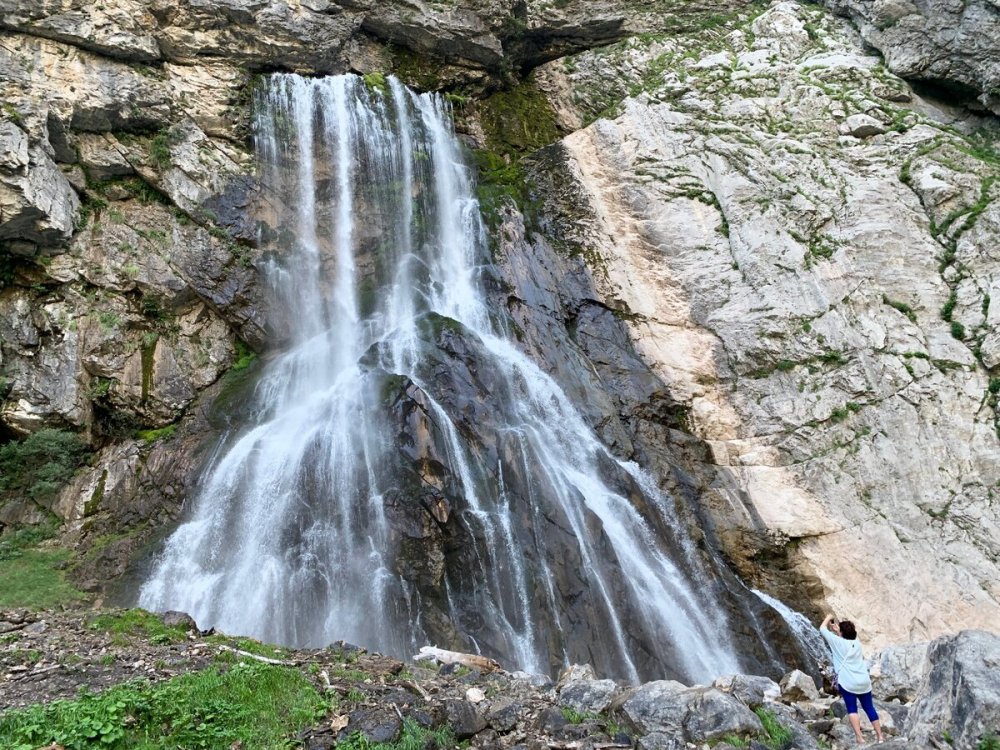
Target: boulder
<point>960,694</point>
<point>752,690</point>
<point>798,686</point>
<point>698,714</point>
<point>897,671</point>
<point>173,619</point>
<point>588,696</point>
<point>862,126</point>
<point>463,717</point>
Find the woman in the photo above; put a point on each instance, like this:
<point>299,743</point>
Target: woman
<point>853,680</point>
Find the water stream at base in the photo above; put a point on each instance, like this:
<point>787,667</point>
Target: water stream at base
<point>293,538</point>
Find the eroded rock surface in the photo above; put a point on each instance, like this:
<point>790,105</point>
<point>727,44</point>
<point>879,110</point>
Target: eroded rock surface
<point>818,302</point>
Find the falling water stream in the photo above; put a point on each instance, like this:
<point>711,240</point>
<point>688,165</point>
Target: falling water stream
<point>293,535</point>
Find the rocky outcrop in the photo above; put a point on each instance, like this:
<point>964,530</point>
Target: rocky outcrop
<point>809,295</point>
<point>959,697</point>
<point>948,44</point>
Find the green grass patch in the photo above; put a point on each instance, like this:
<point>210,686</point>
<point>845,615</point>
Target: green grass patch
<point>35,578</point>
<point>138,622</point>
<point>414,737</point>
<point>257,705</point>
<point>776,735</point>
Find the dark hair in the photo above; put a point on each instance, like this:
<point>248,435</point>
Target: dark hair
<point>847,630</point>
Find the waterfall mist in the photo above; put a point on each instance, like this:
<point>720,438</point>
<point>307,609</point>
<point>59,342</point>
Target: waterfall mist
<point>408,475</point>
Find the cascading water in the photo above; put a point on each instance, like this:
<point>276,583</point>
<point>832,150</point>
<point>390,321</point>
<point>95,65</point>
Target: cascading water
<point>395,382</point>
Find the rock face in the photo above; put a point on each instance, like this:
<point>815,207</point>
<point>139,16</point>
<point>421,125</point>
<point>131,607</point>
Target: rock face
<point>954,45</point>
<point>818,305</point>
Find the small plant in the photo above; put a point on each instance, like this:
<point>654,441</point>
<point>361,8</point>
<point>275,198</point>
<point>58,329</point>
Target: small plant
<point>957,330</point>
<point>777,735</point>
<point>989,741</point>
<point>901,307</point>
<point>161,433</point>
<point>376,82</point>
<point>573,716</point>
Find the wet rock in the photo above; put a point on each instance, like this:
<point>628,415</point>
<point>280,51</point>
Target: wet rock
<point>464,719</point>
<point>960,694</point>
<point>551,720</point>
<point>798,686</point>
<point>660,741</point>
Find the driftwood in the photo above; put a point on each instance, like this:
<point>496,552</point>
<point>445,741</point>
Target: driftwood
<point>255,657</point>
<point>474,661</point>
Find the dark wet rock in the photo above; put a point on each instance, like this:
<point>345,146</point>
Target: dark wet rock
<point>464,718</point>
<point>377,726</point>
<point>503,713</point>
<point>551,720</point>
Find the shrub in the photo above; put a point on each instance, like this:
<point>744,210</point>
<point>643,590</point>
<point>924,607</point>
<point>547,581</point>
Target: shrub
<point>778,736</point>
<point>41,464</point>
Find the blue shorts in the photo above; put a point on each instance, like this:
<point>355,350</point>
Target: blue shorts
<point>851,701</point>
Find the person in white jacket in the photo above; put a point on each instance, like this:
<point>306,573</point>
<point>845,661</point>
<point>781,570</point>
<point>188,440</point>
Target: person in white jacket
<point>853,680</point>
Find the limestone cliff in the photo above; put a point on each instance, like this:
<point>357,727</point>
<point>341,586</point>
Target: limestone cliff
<point>762,264</point>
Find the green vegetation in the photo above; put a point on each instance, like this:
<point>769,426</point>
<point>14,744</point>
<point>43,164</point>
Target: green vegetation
<point>843,412</point>
<point>518,120</point>
<point>159,148</point>
<point>901,306</point>
<point>573,716</point>
<point>40,465</point>
<point>138,622</point>
<point>777,736</point>
<point>376,82</point>
<point>250,705</point>
<point>161,433</point>
<point>245,356</point>
<point>414,737</point>
<point>989,741</point>
<point>33,576</point>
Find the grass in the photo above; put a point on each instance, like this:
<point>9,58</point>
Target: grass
<point>34,578</point>
<point>777,735</point>
<point>413,737</point>
<point>138,622</point>
<point>249,705</point>
<point>573,716</point>
<point>161,433</point>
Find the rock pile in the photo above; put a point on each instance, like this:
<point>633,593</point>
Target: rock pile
<point>956,698</point>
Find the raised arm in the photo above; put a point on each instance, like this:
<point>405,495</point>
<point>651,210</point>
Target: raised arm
<point>825,625</point>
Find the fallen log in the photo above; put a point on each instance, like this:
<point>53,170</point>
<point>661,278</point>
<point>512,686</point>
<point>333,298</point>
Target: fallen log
<point>474,661</point>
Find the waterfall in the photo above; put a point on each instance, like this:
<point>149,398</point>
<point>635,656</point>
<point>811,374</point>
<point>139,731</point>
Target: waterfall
<point>408,475</point>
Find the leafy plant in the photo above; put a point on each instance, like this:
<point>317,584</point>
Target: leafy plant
<point>41,464</point>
